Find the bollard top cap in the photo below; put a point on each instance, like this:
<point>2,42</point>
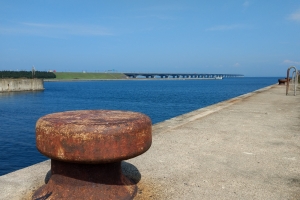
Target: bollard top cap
<point>93,136</point>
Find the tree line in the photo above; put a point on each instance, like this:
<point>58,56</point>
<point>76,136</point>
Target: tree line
<point>26,74</point>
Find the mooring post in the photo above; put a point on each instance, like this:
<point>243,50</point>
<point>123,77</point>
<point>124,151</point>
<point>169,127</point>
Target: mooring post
<point>86,149</point>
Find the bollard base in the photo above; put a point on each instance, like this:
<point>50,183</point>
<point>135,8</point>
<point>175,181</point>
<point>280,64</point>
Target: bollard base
<point>86,181</point>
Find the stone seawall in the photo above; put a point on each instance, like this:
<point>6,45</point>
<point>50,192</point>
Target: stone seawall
<point>14,85</point>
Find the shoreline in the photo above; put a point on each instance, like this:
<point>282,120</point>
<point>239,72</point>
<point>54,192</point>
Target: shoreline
<point>130,79</point>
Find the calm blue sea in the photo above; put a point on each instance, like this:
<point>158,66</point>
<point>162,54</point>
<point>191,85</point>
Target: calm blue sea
<point>159,99</point>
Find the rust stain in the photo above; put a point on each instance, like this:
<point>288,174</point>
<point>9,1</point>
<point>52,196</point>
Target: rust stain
<point>233,100</point>
<point>149,190</point>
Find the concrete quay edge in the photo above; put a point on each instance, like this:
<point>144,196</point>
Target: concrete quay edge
<point>162,173</point>
<point>183,119</point>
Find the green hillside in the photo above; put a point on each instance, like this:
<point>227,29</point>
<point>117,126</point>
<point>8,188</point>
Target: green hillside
<point>27,74</point>
<point>87,76</point>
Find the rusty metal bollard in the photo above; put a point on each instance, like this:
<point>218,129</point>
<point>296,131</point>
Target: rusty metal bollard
<point>86,149</point>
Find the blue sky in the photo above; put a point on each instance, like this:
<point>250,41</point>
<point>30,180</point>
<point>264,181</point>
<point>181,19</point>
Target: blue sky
<point>252,37</point>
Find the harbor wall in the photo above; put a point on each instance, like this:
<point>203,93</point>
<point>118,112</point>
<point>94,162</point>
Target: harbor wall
<point>22,183</point>
<point>14,85</point>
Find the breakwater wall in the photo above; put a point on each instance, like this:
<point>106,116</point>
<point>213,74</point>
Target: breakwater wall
<point>14,85</point>
<point>242,148</point>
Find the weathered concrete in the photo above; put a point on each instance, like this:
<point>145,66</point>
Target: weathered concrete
<point>14,85</point>
<point>244,148</point>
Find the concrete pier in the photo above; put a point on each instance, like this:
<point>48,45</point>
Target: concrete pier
<point>244,148</point>
<point>17,85</point>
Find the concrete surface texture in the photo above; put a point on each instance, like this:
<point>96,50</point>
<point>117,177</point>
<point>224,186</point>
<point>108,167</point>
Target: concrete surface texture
<point>244,148</point>
<point>13,85</point>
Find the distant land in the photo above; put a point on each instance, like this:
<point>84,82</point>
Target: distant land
<point>87,76</point>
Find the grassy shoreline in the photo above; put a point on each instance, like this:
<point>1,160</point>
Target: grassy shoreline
<point>129,79</point>
<point>87,76</point>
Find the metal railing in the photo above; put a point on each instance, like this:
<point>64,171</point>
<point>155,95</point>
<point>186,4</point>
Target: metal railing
<point>294,79</point>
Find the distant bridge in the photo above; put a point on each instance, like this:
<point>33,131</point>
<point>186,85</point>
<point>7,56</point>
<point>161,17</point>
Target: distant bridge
<point>182,75</point>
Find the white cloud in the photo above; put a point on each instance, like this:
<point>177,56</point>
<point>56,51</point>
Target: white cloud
<point>228,27</point>
<point>236,64</point>
<point>161,17</point>
<point>246,4</point>
<point>165,8</point>
<point>295,16</point>
<point>55,30</point>
<point>73,29</point>
<point>290,62</point>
